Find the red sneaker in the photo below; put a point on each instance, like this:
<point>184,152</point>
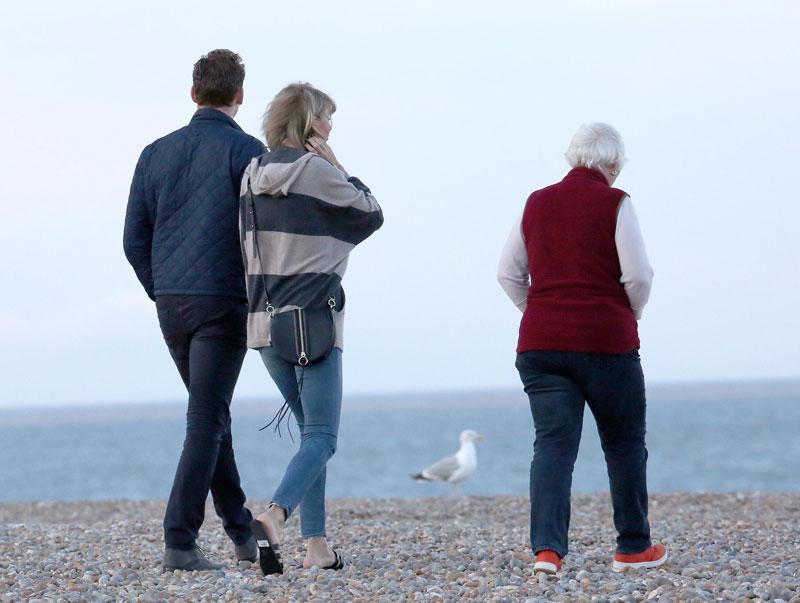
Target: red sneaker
<point>547,561</point>
<point>653,557</point>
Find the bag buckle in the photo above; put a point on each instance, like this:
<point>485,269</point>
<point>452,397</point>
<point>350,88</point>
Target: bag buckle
<point>331,302</point>
<point>270,310</point>
<point>303,360</point>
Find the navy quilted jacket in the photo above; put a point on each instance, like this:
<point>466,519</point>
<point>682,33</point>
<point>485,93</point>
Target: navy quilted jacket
<point>181,227</point>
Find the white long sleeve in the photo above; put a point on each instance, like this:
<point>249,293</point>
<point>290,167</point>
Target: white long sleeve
<point>637,275</point>
<point>513,273</point>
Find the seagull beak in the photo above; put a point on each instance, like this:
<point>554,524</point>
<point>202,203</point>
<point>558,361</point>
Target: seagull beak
<point>481,436</point>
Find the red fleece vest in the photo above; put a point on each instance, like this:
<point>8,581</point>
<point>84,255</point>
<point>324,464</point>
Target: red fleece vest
<point>576,302</point>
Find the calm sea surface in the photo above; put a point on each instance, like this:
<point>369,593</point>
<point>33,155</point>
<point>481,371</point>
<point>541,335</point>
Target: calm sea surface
<point>722,440</point>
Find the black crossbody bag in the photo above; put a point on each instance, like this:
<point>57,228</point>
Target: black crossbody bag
<point>301,336</point>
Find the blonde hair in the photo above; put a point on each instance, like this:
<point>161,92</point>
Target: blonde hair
<point>290,115</point>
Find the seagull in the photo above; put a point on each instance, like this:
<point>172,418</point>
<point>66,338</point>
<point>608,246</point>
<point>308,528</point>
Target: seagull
<point>456,468</point>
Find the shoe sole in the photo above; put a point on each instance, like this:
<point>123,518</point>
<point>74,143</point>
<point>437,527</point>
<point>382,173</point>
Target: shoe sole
<point>192,568</point>
<point>268,559</point>
<point>621,566</point>
<point>545,567</point>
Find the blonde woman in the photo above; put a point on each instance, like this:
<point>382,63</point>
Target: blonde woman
<point>301,215</point>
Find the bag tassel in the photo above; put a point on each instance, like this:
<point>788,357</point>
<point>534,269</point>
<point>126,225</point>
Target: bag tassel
<point>285,409</point>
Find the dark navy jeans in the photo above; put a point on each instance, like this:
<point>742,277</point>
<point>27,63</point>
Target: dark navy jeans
<point>558,385</point>
<point>206,337</point>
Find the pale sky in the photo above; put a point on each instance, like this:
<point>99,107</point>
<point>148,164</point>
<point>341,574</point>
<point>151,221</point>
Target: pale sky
<point>453,113</point>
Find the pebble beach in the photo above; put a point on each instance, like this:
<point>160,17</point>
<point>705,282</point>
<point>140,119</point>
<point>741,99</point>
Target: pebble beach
<point>723,547</point>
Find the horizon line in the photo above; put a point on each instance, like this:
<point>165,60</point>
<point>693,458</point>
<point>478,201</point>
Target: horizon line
<point>659,391</point>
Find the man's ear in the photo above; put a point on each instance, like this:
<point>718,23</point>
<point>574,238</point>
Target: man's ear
<point>239,99</point>
<point>194,96</point>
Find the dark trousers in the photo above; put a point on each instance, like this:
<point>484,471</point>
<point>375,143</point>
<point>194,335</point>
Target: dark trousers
<point>558,384</point>
<point>206,336</point>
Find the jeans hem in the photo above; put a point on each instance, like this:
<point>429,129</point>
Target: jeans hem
<point>549,547</point>
<point>245,541</point>
<point>180,546</point>
<point>319,535</point>
<point>631,552</point>
<point>287,509</point>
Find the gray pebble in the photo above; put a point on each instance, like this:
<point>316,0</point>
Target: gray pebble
<point>482,555</point>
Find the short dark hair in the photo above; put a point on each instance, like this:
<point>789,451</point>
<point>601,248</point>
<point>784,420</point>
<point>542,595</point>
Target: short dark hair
<point>217,77</point>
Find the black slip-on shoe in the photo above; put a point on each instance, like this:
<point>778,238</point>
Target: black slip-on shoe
<point>269,555</point>
<point>338,562</point>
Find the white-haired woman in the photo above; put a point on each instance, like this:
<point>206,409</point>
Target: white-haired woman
<point>301,215</point>
<point>575,265</point>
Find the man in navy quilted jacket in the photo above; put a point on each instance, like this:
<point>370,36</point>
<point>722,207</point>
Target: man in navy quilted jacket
<point>182,239</point>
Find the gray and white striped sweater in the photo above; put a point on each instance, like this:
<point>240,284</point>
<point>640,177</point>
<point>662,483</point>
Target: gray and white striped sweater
<point>308,217</point>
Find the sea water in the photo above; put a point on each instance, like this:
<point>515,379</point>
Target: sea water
<point>108,452</point>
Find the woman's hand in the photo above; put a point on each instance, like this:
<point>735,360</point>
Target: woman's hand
<point>317,144</point>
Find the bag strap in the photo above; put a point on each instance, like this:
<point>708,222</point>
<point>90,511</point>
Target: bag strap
<point>269,307</point>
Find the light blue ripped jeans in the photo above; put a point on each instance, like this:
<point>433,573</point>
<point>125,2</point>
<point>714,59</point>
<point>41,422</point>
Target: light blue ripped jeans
<point>317,414</point>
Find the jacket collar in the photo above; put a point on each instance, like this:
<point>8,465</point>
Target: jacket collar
<point>213,115</point>
<point>589,173</point>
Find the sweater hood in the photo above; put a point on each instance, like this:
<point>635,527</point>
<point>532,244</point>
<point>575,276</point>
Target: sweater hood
<point>274,172</point>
